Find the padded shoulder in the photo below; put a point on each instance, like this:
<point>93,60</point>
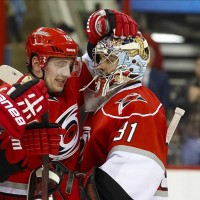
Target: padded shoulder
<point>138,101</point>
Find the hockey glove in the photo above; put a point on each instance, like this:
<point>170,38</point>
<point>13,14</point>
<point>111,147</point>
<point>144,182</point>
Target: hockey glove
<point>37,140</point>
<point>65,184</point>
<point>22,104</point>
<point>102,22</point>
<point>97,185</point>
<point>62,184</point>
<point>12,156</point>
<point>41,139</point>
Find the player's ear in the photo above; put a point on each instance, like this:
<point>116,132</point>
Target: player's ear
<point>36,68</point>
<point>35,63</point>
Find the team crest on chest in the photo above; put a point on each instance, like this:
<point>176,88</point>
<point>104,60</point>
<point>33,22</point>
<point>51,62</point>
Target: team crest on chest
<point>69,142</point>
<point>133,97</point>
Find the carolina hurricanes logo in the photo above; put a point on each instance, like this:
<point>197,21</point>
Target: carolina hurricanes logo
<point>128,99</point>
<point>69,143</point>
<point>85,137</point>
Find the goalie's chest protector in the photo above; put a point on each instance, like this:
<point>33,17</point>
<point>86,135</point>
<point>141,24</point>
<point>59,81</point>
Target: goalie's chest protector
<point>129,118</point>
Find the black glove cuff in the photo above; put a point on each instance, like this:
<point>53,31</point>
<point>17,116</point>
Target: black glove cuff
<point>21,88</point>
<point>7,169</point>
<point>90,48</point>
<point>39,125</point>
<point>112,23</point>
<point>111,19</point>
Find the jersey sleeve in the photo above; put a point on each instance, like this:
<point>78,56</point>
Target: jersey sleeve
<point>140,176</point>
<point>143,134</point>
<point>85,78</point>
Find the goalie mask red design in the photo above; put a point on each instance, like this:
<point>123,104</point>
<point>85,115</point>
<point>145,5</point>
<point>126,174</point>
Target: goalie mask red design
<point>50,42</point>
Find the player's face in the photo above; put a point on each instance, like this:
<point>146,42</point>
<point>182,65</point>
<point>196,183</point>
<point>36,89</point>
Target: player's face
<point>57,71</point>
<point>107,64</point>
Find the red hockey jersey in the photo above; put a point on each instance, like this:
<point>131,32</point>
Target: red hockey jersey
<point>65,110</point>
<point>126,137</point>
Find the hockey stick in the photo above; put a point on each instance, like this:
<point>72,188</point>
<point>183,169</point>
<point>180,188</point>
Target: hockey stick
<point>45,163</point>
<point>178,113</point>
<point>9,74</point>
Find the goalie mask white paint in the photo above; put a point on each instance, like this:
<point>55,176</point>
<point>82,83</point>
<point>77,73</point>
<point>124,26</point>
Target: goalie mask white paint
<point>132,57</point>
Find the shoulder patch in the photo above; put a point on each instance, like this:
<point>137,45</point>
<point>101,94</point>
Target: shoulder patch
<point>127,100</point>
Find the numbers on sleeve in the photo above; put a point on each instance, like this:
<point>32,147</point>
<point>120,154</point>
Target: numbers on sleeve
<point>123,130</point>
<point>133,127</point>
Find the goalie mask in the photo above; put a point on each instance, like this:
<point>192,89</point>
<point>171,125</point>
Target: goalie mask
<point>118,61</point>
<point>47,42</point>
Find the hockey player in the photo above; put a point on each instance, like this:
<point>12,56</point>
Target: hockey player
<point>52,56</point>
<point>126,135</point>
<point>125,131</point>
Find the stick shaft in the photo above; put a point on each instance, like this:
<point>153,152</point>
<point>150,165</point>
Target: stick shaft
<point>45,163</point>
<point>45,177</point>
<point>174,123</point>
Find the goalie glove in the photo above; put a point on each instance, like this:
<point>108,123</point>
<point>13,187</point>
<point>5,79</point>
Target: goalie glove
<point>22,104</point>
<point>103,22</point>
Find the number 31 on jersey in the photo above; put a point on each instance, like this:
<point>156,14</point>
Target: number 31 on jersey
<point>123,131</point>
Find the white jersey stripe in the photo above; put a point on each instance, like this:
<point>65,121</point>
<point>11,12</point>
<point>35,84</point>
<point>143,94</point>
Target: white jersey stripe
<point>13,188</point>
<point>132,114</point>
<point>139,152</point>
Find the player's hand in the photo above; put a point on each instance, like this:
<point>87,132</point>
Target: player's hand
<point>62,183</point>
<point>41,139</point>
<point>37,140</point>
<point>13,156</point>
<point>102,22</point>
<point>22,104</point>
<point>31,97</point>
